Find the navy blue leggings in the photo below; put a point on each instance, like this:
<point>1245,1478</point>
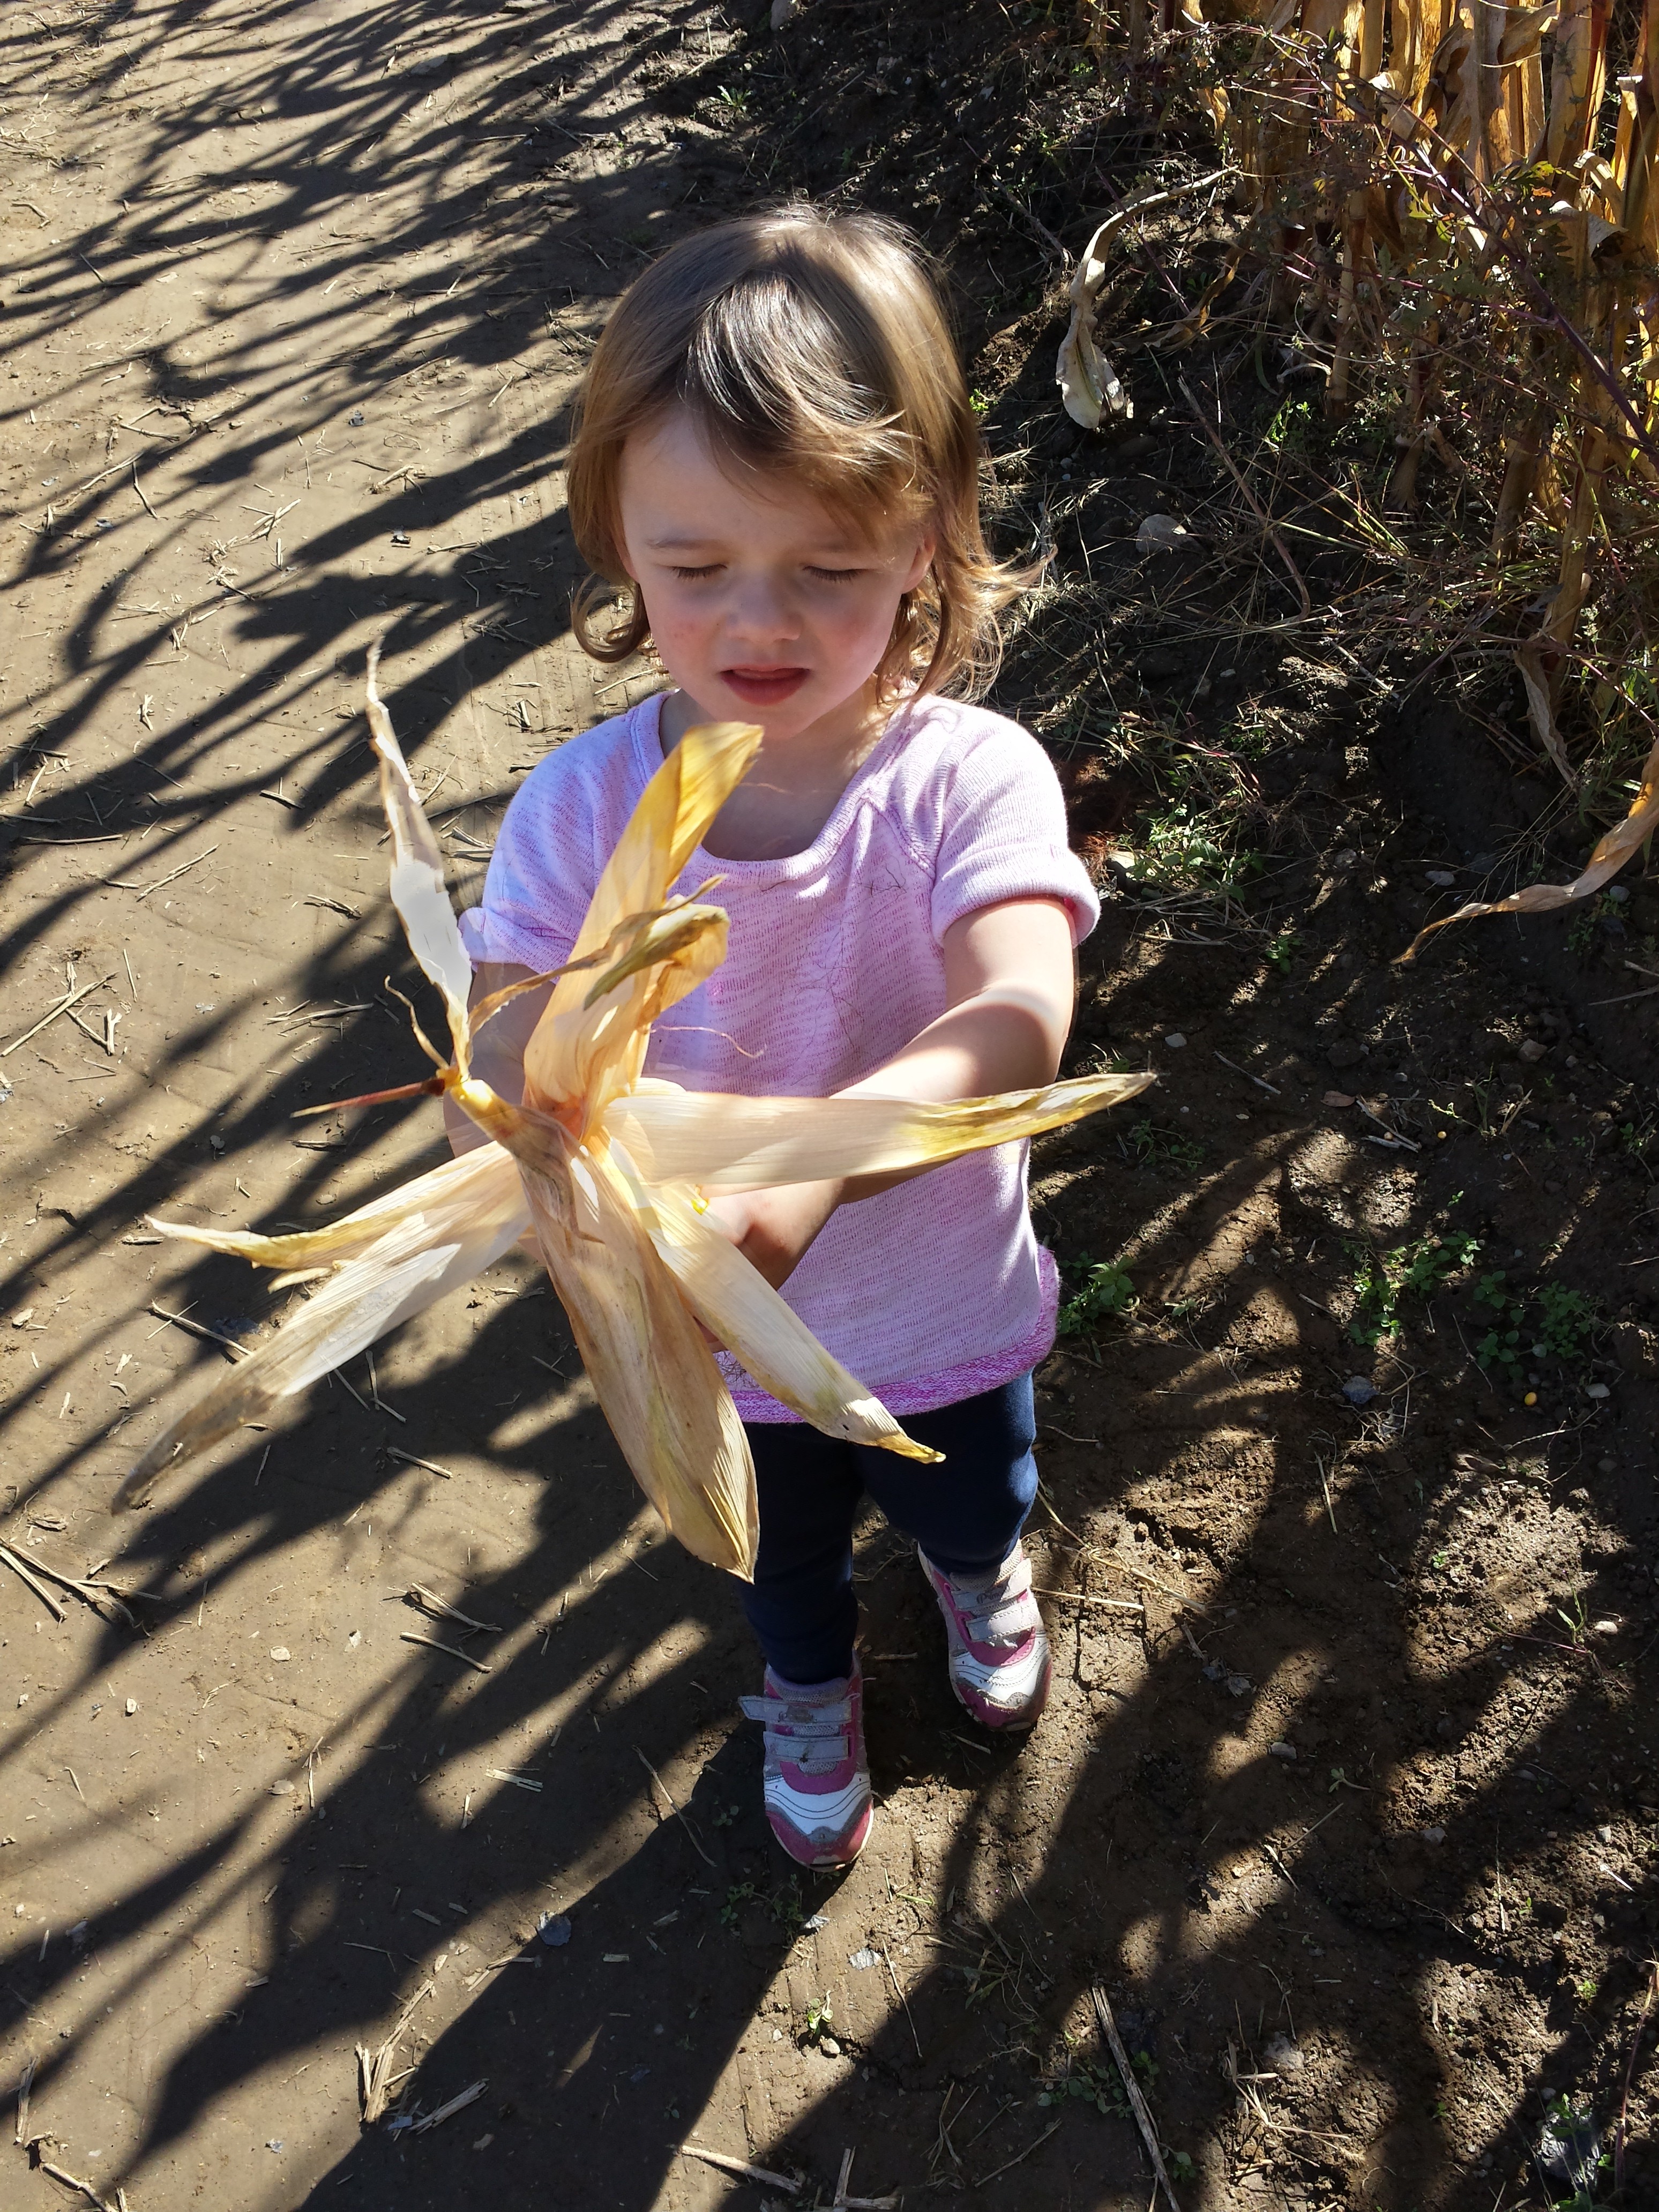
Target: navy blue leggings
<point>964,1513</point>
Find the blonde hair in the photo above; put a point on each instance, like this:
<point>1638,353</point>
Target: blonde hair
<point>817,347</point>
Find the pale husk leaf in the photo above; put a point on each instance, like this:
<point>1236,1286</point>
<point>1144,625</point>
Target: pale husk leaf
<point>655,1378</point>
<point>727,1142</point>
<point>481,1184</point>
<point>735,1303</point>
<point>418,891</point>
<point>405,1271</point>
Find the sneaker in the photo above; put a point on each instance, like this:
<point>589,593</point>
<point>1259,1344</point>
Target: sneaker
<point>999,1664</point>
<point>818,1780</point>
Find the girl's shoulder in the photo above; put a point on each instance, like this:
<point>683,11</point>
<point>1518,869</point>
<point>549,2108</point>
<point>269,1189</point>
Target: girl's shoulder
<point>594,774</point>
<point>949,752</point>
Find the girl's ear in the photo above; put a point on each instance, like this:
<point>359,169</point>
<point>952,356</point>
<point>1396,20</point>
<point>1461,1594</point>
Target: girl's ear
<point>927,545</point>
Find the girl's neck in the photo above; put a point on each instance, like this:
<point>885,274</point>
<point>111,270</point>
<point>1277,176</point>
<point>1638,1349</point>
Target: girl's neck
<point>793,787</point>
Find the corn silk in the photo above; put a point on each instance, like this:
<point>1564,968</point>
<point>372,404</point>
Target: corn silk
<point>608,1168</point>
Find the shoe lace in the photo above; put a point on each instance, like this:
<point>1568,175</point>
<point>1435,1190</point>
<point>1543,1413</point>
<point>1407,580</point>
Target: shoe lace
<point>812,1736</point>
<point>998,1608</point>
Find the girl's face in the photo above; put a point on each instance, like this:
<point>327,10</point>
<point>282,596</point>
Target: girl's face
<point>764,607</point>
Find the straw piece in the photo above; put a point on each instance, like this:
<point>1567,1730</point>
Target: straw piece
<point>1131,2090</point>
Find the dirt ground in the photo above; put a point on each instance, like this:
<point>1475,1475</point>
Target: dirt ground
<point>1345,1801</point>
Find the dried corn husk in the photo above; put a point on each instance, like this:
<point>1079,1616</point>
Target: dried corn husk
<point>1604,863</point>
<point>607,1169</point>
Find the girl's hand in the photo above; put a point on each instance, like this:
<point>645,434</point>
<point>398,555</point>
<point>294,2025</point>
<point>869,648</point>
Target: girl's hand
<point>774,1229</point>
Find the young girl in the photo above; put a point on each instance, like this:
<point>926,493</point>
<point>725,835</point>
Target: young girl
<point>777,462</point>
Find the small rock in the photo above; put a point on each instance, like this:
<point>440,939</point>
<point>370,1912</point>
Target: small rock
<point>279,1650</point>
<point>1337,1098</point>
<point>429,65</point>
<point>1531,1049</point>
<point>1609,1626</point>
<point>356,421</point>
<point>554,1929</point>
<point>861,1961</point>
<point>282,1789</point>
<point>1434,1835</point>
<point>132,1706</point>
<point>274,2143</point>
<point>1158,533</point>
<point>1239,1685</point>
<point>400,537</point>
<point>1606,1834</point>
<point>483,2142</point>
<point>1358,1391</point>
<point>1176,1042</point>
<point>1597,1390</point>
<point>1283,2056</point>
<point>811,1927</point>
<point>1441,878</point>
<point>1281,1751</point>
<point>829,2046</point>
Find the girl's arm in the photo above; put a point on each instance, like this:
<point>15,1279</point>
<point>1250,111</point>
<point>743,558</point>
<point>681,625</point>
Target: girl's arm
<point>1009,983</point>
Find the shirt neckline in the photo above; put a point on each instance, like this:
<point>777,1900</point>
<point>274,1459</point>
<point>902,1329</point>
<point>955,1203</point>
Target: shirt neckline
<point>648,735</point>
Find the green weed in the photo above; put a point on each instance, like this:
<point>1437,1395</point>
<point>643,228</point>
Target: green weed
<point>820,2019</point>
<point>1416,1270</point>
<point>1189,848</point>
<point>1156,1147</point>
<point>1281,953</point>
<point>1103,1293</point>
<point>1554,1323</point>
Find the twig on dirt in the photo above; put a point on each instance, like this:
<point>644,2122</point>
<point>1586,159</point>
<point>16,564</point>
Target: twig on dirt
<point>44,2164</point>
<point>1393,1133</point>
<point>1131,2090</point>
<point>672,1806</point>
<point>899,1993</point>
<point>375,2068</point>
<point>138,487</point>
<point>429,1601</point>
<point>69,999</point>
<point>448,1650</point>
<point>198,1329</point>
<point>741,2166</point>
<point>414,1459</point>
<point>986,2179</point>
<point>1141,1575</point>
<point>39,1588</point>
<point>1081,1597</point>
<point>1268,525</point>
<point>1272,1089</point>
<point>20,2133</point>
<point>100,1596</point>
<point>160,883</point>
<point>456,2104</point>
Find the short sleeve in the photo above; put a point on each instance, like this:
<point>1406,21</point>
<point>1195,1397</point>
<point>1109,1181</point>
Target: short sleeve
<point>1003,836</point>
<point>554,840</point>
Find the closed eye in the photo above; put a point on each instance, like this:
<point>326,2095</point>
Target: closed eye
<point>695,575</point>
<point>834,575</point>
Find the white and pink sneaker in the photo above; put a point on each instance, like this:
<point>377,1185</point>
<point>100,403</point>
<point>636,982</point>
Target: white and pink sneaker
<point>999,1664</point>
<point>817,1777</point>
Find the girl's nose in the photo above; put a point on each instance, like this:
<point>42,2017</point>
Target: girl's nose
<point>762,609</point>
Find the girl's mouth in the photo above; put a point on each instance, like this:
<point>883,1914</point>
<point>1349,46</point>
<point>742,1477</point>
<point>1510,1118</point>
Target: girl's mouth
<point>763,687</point>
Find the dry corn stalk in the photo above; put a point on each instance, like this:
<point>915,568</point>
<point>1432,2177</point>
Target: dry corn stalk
<point>608,1168</point>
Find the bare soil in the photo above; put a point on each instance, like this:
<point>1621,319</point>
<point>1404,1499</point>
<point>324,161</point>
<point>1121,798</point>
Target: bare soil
<point>1346,1798</point>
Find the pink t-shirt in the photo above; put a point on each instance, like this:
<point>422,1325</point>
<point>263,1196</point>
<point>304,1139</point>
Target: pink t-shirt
<point>937,1290</point>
